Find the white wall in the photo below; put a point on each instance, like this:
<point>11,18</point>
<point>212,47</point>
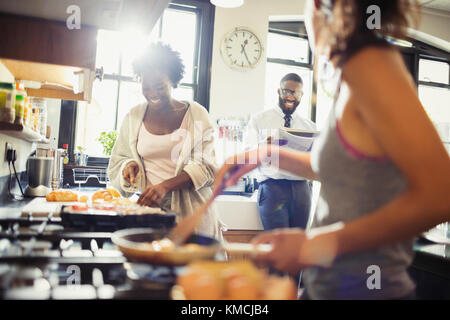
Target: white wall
<point>23,149</point>
<point>235,93</point>
<point>435,23</point>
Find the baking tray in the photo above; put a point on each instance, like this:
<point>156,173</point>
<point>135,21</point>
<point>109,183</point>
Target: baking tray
<point>112,220</point>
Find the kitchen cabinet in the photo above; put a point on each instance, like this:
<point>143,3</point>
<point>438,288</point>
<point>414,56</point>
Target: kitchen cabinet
<point>56,59</point>
<point>37,45</point>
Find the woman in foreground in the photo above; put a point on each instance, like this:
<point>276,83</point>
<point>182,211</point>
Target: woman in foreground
<point>383,170</point>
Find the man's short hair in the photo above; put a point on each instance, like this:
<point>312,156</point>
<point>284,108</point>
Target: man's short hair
<point>292,77</point>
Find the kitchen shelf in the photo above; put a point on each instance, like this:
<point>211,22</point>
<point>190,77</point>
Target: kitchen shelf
<point>21,132</point>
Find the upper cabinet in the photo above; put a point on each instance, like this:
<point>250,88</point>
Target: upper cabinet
<point>52,43</point>
<point>47,52</point>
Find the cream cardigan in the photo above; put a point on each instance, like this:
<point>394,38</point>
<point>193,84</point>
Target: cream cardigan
<point>196,158</point>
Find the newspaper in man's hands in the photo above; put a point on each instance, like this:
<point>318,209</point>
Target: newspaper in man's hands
<point>297,139</point>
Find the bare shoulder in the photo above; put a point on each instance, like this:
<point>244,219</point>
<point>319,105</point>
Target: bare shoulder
<point>378,73</point>
<point>375,61</point>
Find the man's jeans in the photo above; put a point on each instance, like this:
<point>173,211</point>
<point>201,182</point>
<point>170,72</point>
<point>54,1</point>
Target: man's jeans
<point>284,203</point>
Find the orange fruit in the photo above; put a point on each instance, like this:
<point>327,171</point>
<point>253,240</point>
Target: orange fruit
<point>199,284</point>
<point>242,288</point>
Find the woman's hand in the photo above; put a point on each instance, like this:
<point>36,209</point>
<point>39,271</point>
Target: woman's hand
<point>294,249</point>
<point>130,172</point>
<point>286,245</point>
<point>153,195</point>
<point>234,168</point>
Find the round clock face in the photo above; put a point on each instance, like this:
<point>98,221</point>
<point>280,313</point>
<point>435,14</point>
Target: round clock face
<point>241,49</point>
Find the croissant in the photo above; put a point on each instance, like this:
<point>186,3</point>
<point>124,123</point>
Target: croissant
<point>62,196</point>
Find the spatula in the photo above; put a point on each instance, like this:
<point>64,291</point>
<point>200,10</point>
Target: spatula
<point>186,227</point>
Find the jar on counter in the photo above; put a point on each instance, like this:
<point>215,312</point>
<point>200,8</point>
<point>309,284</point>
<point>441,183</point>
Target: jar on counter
<point>27,115</point>
<point>7,111</point>
<point>19,106</point>
<point>41,105</point>
<point>35,120</point>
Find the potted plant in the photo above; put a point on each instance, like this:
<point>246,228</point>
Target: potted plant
<point>107,139</point>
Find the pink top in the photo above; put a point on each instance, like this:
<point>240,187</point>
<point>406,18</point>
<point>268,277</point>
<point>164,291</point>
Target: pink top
<point>160,153</point>
<point>355,152</point>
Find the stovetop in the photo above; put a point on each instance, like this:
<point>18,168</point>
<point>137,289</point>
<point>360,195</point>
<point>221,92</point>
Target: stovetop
<point>41,259</point>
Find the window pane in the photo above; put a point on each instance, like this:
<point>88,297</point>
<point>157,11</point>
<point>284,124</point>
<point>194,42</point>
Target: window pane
<point>108,51</point>
<point>328,81</point>
<point>154,36</point>
<point>102,106</point>
<point>179,30</point>
<point>274,73</point>
<point>130,95</point>
<point>183,93</point>
<point>434,71</point>
<point>132,45</point>
<point>435,102</point>
<point>277,44</point>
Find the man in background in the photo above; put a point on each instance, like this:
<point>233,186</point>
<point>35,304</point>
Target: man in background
<point>284,201</point>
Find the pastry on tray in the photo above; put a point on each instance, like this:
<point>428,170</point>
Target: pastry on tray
<point>62,196</point>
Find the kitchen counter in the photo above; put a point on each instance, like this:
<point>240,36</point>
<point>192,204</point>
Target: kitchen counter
<point>10,209</point>
<point>239,212</point>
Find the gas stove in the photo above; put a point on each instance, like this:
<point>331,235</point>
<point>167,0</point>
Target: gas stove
<point>42,259</point>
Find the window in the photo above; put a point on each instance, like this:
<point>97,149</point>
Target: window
<point>184,25</point>
<point>433,71</point>
<point>298,60</point>
<point>275,72</point>
<point>434,93</point>
<point>281,61</point>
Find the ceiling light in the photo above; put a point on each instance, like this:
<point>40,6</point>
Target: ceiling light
<point>227,3</point>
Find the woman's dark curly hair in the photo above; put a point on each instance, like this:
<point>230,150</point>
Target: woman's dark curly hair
<point>161,57</point>
<point>348,22</point>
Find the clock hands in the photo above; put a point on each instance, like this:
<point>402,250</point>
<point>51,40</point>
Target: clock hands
<point>245,53</point>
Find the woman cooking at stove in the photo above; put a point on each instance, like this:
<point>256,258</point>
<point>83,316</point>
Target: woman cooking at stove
<point>384,172</point>
<point>165,146</point>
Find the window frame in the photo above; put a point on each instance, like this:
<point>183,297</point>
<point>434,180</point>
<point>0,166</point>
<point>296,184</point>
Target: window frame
<point>309,65</point>
<point>201,77</point>
<point>201,80</point>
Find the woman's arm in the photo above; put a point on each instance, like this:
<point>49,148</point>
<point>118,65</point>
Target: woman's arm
<point>201,166</point>
<point>121,156</point>
<point>298,163</point>
<point>155,193</point>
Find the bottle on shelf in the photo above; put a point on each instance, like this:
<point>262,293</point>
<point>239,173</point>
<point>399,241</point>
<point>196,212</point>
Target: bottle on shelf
<point>7,110</point>
<point>35,119</point>
<point>41,105</point>
<point>19,105</point>
<point>26,112</point>
<point>66,153</point>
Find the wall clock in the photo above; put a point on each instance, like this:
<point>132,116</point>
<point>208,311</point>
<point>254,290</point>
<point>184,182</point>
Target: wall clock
<point>241,49</point>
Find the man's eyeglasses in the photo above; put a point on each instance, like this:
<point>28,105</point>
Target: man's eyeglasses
<point>287,93</point>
